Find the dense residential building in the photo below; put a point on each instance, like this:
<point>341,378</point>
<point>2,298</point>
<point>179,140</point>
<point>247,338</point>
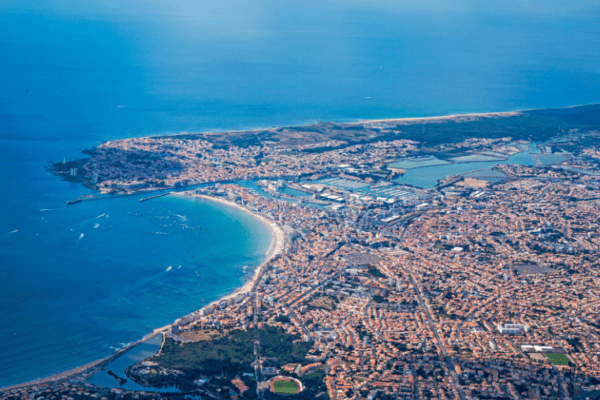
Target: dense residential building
<point>464,291</point>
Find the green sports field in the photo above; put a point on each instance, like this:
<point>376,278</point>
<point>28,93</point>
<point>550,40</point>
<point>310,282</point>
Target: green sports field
<point>558,359</point>
<point>285,387</point>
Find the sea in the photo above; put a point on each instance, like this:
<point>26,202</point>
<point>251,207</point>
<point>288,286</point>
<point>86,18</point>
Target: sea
<point>78,282</point>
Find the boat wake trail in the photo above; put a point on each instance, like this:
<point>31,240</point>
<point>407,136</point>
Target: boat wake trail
<point>79,238</point>
<point>15,231</point>
<point>150,279</point>
<point>100,216</point>
<point>46,209</point>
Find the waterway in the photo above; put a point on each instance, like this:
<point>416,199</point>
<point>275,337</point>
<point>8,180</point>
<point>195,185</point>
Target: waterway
<point>428,177</point>
<point>140,352</point>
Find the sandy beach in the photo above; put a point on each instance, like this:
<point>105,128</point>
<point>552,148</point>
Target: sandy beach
<point>275,248</point>
<point>60,376</point>
<point>445,118</point>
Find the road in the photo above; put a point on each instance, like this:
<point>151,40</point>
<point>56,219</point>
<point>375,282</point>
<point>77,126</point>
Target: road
<point>447,359</point>
<point>257,363</point>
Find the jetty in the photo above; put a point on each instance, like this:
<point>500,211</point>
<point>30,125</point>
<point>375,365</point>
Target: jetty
<point>98,197</point>
<point>154,197</point>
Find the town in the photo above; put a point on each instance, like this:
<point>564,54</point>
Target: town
<point>484,286</point>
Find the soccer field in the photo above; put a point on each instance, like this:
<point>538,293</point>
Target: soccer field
<point>559,359</point>
<point>285,387</point>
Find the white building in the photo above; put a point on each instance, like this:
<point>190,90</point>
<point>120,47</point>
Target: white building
<point>513,329</point>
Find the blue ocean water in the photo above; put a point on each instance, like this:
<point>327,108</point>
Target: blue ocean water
<point>77,72</point>
<point>80,281</point>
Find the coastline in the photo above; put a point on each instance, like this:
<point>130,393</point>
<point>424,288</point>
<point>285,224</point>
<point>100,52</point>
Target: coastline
<point>407,120</point>
<point>443,118</point>
<point>61,375</point>
<point>402,120</point>
<point>415,120</point>
<point>275,248</point>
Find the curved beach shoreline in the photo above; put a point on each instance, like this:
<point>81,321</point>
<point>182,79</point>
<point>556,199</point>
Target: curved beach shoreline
<point>87,370</point>
<point>276,247</point>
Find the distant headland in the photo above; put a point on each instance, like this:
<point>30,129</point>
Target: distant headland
<point>161,162</point>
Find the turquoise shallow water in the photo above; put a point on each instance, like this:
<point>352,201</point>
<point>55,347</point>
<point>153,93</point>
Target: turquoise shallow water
<point>75,73</point>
